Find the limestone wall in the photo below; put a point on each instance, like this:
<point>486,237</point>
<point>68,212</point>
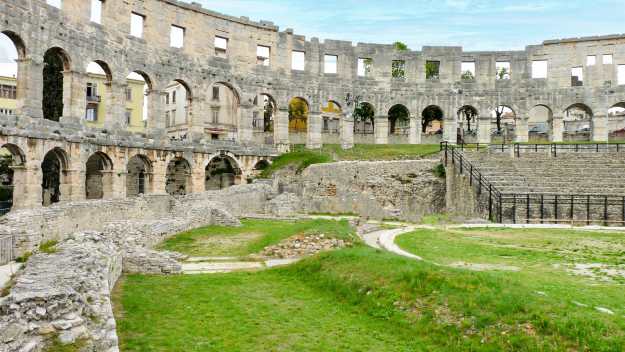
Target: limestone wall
<point>405,190</point>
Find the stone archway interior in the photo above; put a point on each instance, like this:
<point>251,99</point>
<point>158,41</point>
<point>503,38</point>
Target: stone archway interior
<point>94,178</point>
<point>51,180</point>
<point>178,172</point>
<point>7,160</point>
<point>220,174</point>
<point>137,177</point>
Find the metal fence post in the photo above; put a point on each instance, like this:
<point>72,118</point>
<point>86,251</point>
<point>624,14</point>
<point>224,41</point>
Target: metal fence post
<point>528,209</point>
<point>555,206</point>
<point>490,202</point>
<point>514,208</point>
<point>605,210</point>
<point>588,210</point>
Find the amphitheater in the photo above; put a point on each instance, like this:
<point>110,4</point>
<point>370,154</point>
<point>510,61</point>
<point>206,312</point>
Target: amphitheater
<point>108,191</point>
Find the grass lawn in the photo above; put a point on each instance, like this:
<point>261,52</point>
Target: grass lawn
<point>361,299</point>
<point>301,158</point>
<point>252,237</point>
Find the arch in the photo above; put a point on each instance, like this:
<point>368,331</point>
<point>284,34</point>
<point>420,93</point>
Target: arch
<point>540,123</point>
<point>138,176</point>
<point>261,165</point>
<point>53,181</point>
<point>298,115</point>
<point>98,176</point>
<point>224,115</point>
<point>18,43</point>
<point>616,122</point>
<point>467,117</point>
<point>503,124</point>
<point>177,103</point>
<point>138,91</point>
<point>577,122</point>
<point>104,69</point>
<point>221,172</point>
<point>398,119</point>
<point>264,114</point>
<point>364,118</point>
<point>97,88</point>
<point>432,119</point>
<point>331,116</point>
<point>178,177</point>
<point>11,156</point>
<point>56,61</point>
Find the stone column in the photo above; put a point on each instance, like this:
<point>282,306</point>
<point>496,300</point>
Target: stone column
<point>557,129</point>
<point>114,100</point>
<point>450,130</point>
<point>109,186</point>
<point>415,130</point>
<point>27,190</point>
<point>313,136</point>
<point>74,97</point>
<point>245,118</point>
<point>522,130</point>
<point>483,129</point>
<point>194,119</point>
<point>600,130</point>
<point>73,185</point>
<point>281,129</point>
<point>159,176</point>
<point>156,114</point>
<point>347,131</point>
<point>30,87</point>
<point>381,130</point>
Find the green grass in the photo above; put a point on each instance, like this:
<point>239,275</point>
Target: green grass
<point>252,237</point>
<point>56,346</point>
<point>358,299</point>
<point>48,247</point>
<point>300,158</point>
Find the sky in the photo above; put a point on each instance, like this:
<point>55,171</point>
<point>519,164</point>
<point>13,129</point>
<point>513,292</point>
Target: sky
<point>473,24</point>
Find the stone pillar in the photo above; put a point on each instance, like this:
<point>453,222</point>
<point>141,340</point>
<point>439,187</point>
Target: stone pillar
<point>159,176</point>
<point>73,185</point>
<point>450,130</point>
<point>415,130</point>
<point>194,119</point>
<point>114,100</point>
<point>27,190</point>
<point>557,129</point>
<point>522,130</point>
<point>30,87</point>
<point>483,129</point>
<point>313,136</point>
<point>281,129</point>
<point>347,131</point>
<point>198,176</point>
<point>600,130</point>
<point>246,120</point>
<point>381,130</point>
<point>109,184</point>
<point>156,113</point>
<point>74,97</point>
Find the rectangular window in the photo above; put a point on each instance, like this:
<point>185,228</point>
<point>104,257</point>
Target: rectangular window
<point>167,99</point>
<point>92,92</point>
<point>55,3</point>
<point>432,70</point>
<point>96,11</point>
<point>91,113</point>
<point>621,75</point>
<point>330,63</point>
<point>607,59</point>
<point>262,55</point>
<point>167,121</point>
<point>221,47</point>
<point>8,92</point>
<point>467,70</point>
<point>539,69</point>
<point>136,25</point>
<point>176,37</point>
<point>173,118</point>
<point>503,70</point>
<point>128,116</point>
<point>173,97</point>
<point>128,94</point>
<point>215,116</point>
<point>398,69</point>
<point>577,77</point>
<point>216,93</point>
<point>364,67</point>
<point>298,60</point>
<point>591,60</point>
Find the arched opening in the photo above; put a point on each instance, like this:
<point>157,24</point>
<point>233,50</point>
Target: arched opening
<point>224,112</point>
<point>177,102</point>
<point>178,177</point>
<point>298,115</point>
<point>331,117</point>
<point>98,86</point>
<point>138,176</point>
<point>98,176</point>
<point>12,49</point>
<point>364,119</point>
<point>53,169</point>
<point>55,63</point>
<point>467,123</point>
<point>616,122</point>
<point>221,172</point>
<point>577,123</point>
<point>264,111</point>
<point>539,123</point>
<point>398,120</point>
<point>11,157</point>
<point>261,165</point>
<point>432,120</point>
<point>503,124</point>
<point>137,103</point>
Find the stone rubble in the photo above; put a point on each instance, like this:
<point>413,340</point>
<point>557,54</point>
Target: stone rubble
<point>304,245</point>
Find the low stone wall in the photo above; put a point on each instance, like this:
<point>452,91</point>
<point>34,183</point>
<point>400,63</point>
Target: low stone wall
<point>405,190</point>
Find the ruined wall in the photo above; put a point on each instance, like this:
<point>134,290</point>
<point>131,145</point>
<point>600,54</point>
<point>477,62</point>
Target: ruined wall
<point>405,190</point>
<point>461,197</point>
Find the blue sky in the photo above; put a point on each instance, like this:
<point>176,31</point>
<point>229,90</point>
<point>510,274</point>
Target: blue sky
<point>473,24</point>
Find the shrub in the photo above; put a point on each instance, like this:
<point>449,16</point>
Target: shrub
<point>48,247</point>
<point>439,171</point>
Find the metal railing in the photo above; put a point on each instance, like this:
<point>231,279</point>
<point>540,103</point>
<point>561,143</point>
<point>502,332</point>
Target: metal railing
<point>554,149</point>
<point>544,208</point>
<point>7,243</point>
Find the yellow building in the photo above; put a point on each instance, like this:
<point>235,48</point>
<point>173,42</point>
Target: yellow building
<point>8,95</point>
<point>95,110</point>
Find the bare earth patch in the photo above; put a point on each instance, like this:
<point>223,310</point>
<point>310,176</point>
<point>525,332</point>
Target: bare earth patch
<point>484,267</point>
<point>599,271</point>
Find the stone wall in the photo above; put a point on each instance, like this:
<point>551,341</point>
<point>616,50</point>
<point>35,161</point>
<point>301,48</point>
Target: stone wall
<point>405,190</point>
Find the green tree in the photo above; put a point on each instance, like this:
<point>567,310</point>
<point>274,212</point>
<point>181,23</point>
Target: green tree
<point>363,112</point>
<point>503,73</point>
<point>399,46</point>
<point>468,114</point>
<point>432,69</point>
<point>467,76</point>
<point>399,69</point>
<point>53,67</point>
